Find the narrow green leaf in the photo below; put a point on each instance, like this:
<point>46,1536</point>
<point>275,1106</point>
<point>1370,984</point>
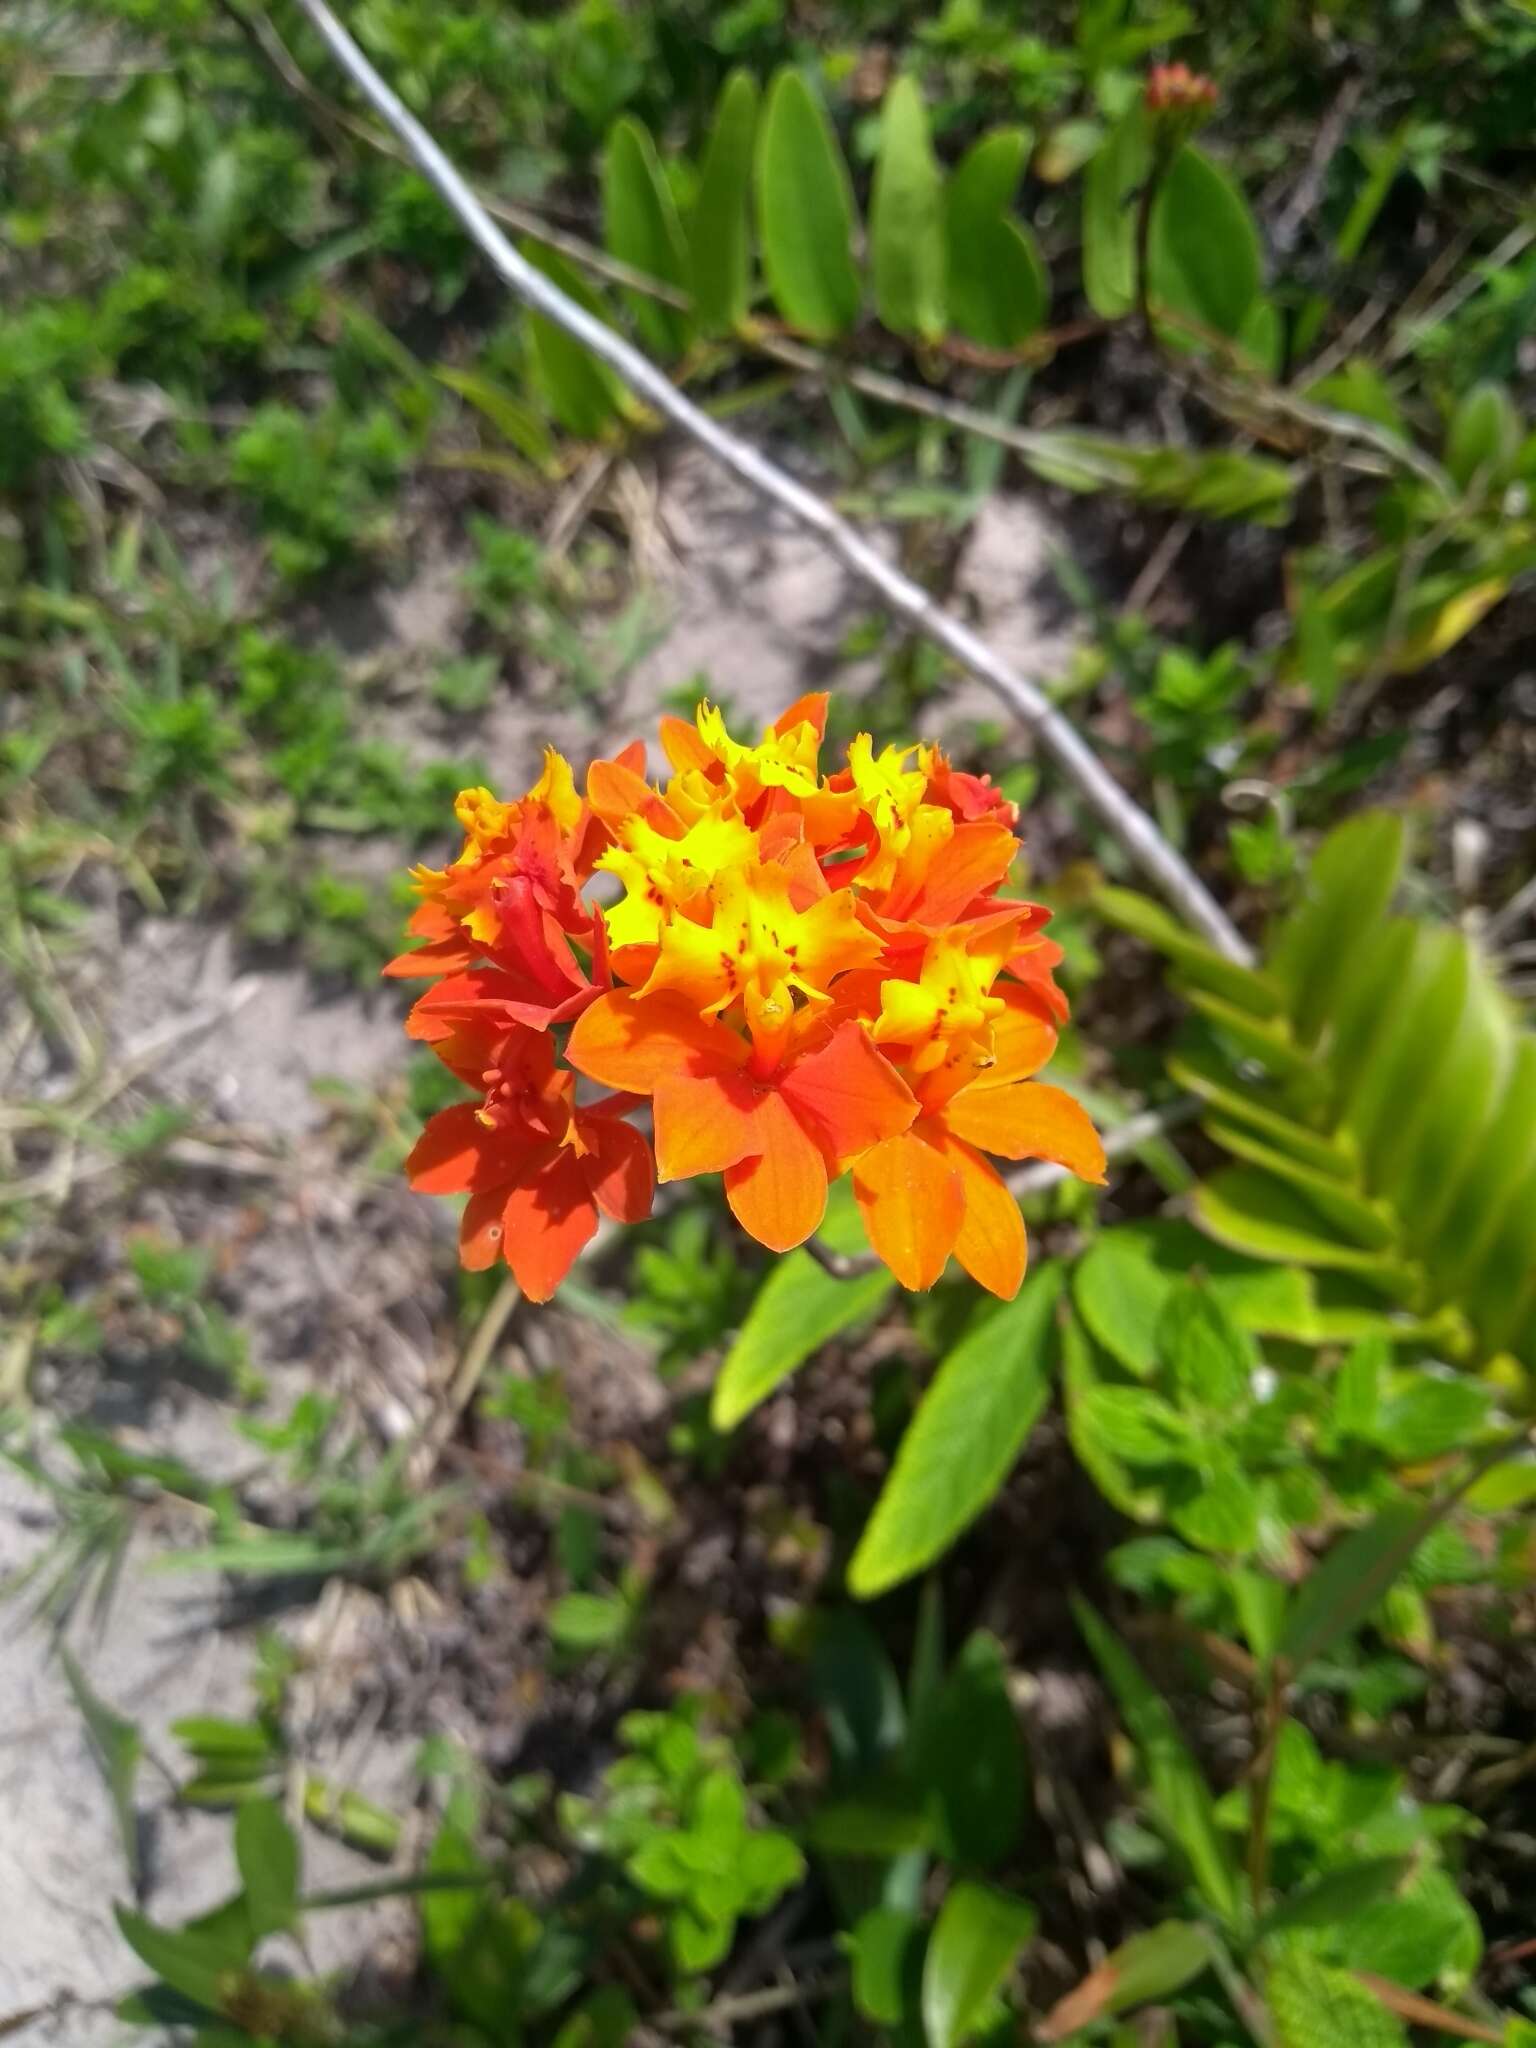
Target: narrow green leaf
<point>1262,1111</point>
<point>582,393</point>
<point>117,1748</point>
<point>1472,1066</point>
<point>968,1754</point>
<point>514,420</point>
<point>1349,1581</point>
<point>1349,885</point>
<point>1483,438</point>
<point>961,1444</point>
<point>882,1947</point>
<point>641,227</point>
<point>1363,1222</point>
<point>1247,988</point>
<point>1203,253</point>
<point>999,291</point>
<point>805,213</point>
<point>1147,1968</point>
<point>1181,1795</point>
<point>203,1963</point>
<point>799,1307</point>
<point>267,1854</point>
<point>1111,188</point>
<point>1390,1103</point>
<point>906,219</point>
<point>978,1935</point>
<point>1254,1213</point>
<point>1269,1042</point>
<point>720,250</point>
<point>1496,1190</point>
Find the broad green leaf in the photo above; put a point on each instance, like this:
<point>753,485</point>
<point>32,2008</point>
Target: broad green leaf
<point>1203,252</point>
<point>885,1822</point>
<point>1202,966</point>
<point>1210,1356</point>
<point>1471,1068</point>
<point>805,213</point>
<point>968,1754</point>
<point>1428,1417</point>
<point>1111,193</point>
<point>1317,2005</point>
<point>267,1854</point>
<point>1123,1282</point>
<point>998,288</point>
<point>1135,1426</point>
<point>1483,438</point>
<point>800,1307</point>
<point>641,227</point>
<point>117,1747</point>
<point>975,1941</point>
<point>1180,1794</point>
<point>582,393</point>
<point>1217,1508</point>
<point>883,1948</point>
<point>1149,1967</point>
<point>204,1963</point>
<point>1349,884</point>
<point>720,248</point>
<point>586,1622</point>
<point>514,420</point>
<point>1349,1581</point>
<point>858,1691</point>
<point>1357,1390</point>
<point>1115,1479</point>
<point>1255,1213</point>
<point>960,1446</point>
<point>1335,1897</point>
<point>906,219</point>
<point>1411,1938</point>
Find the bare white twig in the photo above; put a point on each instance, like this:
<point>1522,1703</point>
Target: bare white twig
<point>1130,825</point>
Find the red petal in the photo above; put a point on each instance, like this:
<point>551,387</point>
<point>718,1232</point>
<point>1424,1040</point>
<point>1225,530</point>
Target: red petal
<point>619,1168</point>
<point>811,709</point>
<point>482,1230</point>
<point>546,1225</point>
<point>456,1154</point>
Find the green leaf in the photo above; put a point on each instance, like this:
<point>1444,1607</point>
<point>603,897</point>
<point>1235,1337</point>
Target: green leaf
<point>883,1947</point>
<point>582,393</point>
<point>805,213</point>
<point>1254,1213</point>
<point>906,219</point>
<point>1135,1425</point>
<point>1349,1581</point>
<point>1357,1390</point>
<point>960,1446</point>
<point>720,248</point>
<point>1338,1895</point>
<point>1147,1968</point>
<point>978,1935</point>
<point>883,1823</point>
<point>587,1622</point>
<point>1219,1510</point>
<point>1260,1111</point>
<point>1124,1281</point>
<point>1370,1225</point>
<point>641,227</point>
<point>999,291</point>
<point>1316,2005</point>
<point>1203,252</point>
<point>204,1963</point>
<point>1428,1417</point>
<point>513,420</point>
<point>1211,1358</point>
<point>799,1307</point>
<point>968,1751</point>
<point>1216,484</point>
<point>1451,1138</point>
<point>117,1748</point>
<point>1349,885</point>
<point>1202,966</point>
<point>1483,438</point>
<point>1180,1794</point>
<point>1412,1938</point>
<point>267,1854</point>
<point>1111,188</point>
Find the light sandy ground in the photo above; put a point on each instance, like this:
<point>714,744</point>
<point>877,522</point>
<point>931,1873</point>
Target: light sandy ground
<point>761,612</point>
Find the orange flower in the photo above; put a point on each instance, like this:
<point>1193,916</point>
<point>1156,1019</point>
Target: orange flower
<point>803,972</point>
<point>777,1136</point>
<point>535,1167</point>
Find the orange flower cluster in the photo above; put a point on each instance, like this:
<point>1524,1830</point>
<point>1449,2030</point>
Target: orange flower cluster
<point>802,973</point>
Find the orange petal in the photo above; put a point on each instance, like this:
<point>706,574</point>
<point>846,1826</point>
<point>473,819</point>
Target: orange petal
<point>1023,1038</point>
<point>992,1245</point>
<point>969,864</point>
<point>628,1041</point>
<point>849,1094</point>
<point>913,1206</point>
<point>704,1125</point>
<point>482,1230</point>
<point>456,1154</point>
<point>780,1196</point>
<point>683,747</point>
<point>546,1224</point>
<point>620,1171</point>
<point>1030,1120</point>
<point>811,710</point>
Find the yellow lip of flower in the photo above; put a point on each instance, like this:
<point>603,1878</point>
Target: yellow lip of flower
<point>950,1004</point>
<point>784,760</point>
<point>661,875</point>
<point>759,949</point>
